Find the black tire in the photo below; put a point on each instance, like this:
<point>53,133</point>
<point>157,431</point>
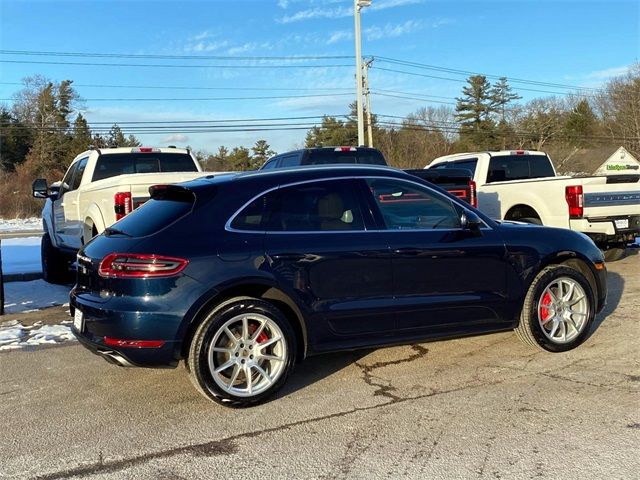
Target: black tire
<point>55,264</point>
<point>534,220</point>
<point>530,330</point>
<point>614,253</point>
<point>197,361</point>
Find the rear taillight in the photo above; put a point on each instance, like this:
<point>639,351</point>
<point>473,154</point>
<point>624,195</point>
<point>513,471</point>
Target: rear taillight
<point>473,198</point>
<point>122,204</point>
<point>575,200</point>
<point>135,265</point>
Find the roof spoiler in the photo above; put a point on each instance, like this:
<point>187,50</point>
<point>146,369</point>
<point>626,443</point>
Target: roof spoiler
<point>171,192</point>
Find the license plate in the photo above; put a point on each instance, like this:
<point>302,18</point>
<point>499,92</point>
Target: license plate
<point>624,223</point>
<point>78,320</point>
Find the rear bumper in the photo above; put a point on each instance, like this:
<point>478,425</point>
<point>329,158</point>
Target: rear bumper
<point>604,230</point>
<point>101,322</point>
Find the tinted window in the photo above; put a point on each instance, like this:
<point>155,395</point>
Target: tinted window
<point>518,167</point>
<point>255,215</point>
<point>470,164</point>
<point>67,180</point>
<point>115,164</point>
<point>290,161</point>
<point>317,206</point>
<point>153,216</point>
<point>404,206</point>
<point>327,156</point>
<point>270,164</point>
<point>77,178</point>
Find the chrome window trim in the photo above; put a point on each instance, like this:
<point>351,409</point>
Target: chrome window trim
<point>228,227</point>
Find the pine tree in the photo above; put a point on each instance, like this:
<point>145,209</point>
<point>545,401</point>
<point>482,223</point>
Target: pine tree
<point>581,124</point>
<point>81,138</point>
<point>502,96</point>
<point>261,153</point>
<point>473,112</point>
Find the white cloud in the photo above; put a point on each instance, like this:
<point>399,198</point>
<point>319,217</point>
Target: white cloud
<point>176,138</point>
<point>283,3</point>
<point>391,30</point>
<point>201,36</point>
<point>608,73</point>
<point>339,36</point>
<point>202,46</point>
<point>384,4</point>
<point>328,11</point>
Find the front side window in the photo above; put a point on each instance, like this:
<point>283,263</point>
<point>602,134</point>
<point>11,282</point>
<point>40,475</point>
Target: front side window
<point>309,207</point>
<point>67,181</point>
<point>289,161</point>
<point>77,178</point>
<point>405,206</point>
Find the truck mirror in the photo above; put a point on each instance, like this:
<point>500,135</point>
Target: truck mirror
<point>39,188</point>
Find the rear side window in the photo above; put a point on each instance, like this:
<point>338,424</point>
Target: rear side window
<point>503,168</point>
<point>310,207</point>
<point>469,164</point>
<point>329,156</point>
<point>289,161</point>
<point>114,164</point>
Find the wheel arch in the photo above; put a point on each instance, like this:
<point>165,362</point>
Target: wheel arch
<point>577,262</point>
<point>257,289</point>
<point>522,210</point>
<point>92,218</point>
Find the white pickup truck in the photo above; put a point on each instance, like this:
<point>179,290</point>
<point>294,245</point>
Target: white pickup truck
<point>100,187</point>
<point>523,186</point>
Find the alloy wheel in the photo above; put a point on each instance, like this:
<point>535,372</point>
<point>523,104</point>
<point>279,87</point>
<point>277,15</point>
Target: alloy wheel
<point>563,310</point>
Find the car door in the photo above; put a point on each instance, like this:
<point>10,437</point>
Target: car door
<point>444,276</point>
<point>60,205</point>
<point>319,250</point>
<point>73,221</point>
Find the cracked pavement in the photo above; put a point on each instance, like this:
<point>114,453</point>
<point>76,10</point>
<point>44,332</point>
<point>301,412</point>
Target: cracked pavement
<point>480,407</point>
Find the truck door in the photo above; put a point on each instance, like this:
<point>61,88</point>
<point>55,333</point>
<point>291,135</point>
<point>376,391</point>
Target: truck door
<point>68,225</point>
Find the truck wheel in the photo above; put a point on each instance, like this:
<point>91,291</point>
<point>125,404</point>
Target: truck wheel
<point>614,253</point>
<point>534,220</point>
<point>242,352</point>
<point>55,265</point>
<point>558,310</point>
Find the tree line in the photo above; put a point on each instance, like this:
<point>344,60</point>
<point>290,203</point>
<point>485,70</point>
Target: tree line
<point>43,131</point>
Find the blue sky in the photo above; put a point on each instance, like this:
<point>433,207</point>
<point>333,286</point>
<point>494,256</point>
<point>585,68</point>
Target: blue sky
<point>581,43</point>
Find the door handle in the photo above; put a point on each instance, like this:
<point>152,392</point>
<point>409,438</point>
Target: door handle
<point>408,251</point>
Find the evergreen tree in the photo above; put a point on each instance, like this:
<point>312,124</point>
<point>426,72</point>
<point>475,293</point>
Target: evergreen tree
<point>473,112</point>
<point>81,138</point>
<point>581,123</point>
<point>15,140</point>
<point>240,159</point>
<point>502,96</point>
<point>261,153</point>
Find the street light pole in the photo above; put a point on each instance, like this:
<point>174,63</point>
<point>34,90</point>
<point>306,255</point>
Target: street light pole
<point>367,96</point>
<point>357,6</point>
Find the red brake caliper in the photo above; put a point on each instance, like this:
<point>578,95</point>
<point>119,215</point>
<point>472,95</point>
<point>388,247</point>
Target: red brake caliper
<point>263,337</point>
<point>544,307</point>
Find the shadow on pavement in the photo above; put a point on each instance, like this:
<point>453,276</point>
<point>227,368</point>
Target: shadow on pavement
<point>615,287</point>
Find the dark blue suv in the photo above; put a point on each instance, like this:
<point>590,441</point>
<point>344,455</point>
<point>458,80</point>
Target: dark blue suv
<point>240,275</point>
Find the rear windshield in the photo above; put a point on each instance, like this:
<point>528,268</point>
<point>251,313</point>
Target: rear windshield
<point>115,164</point>
<point>152,217</point>
<point>503,168</point>
<point>469,164</point>
<point>367,157</point>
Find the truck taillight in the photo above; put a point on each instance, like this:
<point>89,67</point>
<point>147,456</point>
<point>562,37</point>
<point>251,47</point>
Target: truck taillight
<point>122,204</point>
<point>575,200</point>
<point>473,198</point>
<point>136,265</point>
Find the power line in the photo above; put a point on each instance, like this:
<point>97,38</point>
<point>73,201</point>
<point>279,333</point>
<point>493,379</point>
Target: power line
<point>208,99</point>
<point>172,57</point>
<point>464,81</point>
<point>177,87</point>
<point>468,73</point>
<point>160,65</point>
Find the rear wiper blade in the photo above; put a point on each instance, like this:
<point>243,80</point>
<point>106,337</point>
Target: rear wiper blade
<point>114,231</point>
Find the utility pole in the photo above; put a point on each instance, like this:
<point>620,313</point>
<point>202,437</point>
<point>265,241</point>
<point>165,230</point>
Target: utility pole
<point>357,6</point>
<point>367,97</point>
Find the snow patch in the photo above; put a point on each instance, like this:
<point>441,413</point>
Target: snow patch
<point>14,335</point>
<point>21,255</point>
<point>20,297</point>
<point>20,224</point>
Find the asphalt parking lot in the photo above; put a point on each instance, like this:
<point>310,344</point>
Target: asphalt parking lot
<point>482,407</point>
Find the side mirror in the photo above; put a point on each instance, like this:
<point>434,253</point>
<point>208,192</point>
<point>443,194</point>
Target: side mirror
<point>470,221</point>
<point>39,188</point>
<point>54,188</point>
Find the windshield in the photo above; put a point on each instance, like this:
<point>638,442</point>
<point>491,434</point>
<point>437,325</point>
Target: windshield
<point>326,156</point>
<point>114,164</point>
